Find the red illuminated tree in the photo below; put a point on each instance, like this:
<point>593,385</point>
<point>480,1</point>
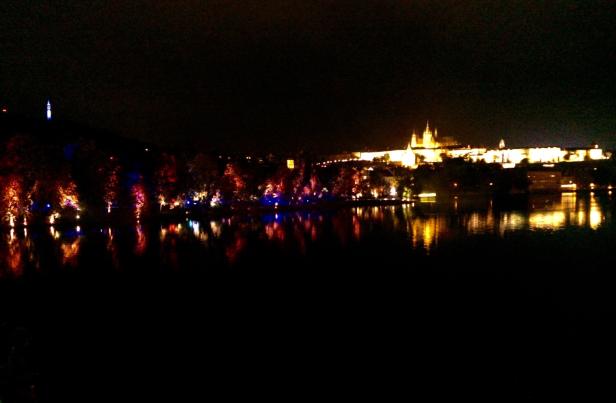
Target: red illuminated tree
<point>166,179</point>
<point>232,184</point>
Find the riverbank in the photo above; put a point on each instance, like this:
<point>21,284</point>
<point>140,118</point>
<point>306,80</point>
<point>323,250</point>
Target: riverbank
<point>432,201</point>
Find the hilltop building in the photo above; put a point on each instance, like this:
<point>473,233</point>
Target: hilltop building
<point>428,149</point>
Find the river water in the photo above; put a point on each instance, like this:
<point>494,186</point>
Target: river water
<point>346,290</point>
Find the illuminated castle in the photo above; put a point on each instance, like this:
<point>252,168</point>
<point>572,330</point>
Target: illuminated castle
<point>423,150</point>
<point>428,139</point>
<point>429,149</point>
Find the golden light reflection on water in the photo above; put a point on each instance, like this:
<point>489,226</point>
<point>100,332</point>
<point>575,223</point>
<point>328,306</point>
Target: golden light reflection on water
<point>55,234</point>
<point>570,211</point>
<point>216,227</point>
<point>568,200</point>
<point>511,221</point>
<point>479,223</point>
<point>70,251</point>
<point>595,214</point>
<point>546,219</point>
<point>17,251</point>
<point>545,213</point>
<point>14,255</point>
<point>425,231</point>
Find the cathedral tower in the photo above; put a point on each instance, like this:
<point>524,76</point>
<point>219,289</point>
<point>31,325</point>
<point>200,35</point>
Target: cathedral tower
<point>427,138</point>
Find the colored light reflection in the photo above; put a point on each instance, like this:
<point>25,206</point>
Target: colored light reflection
<point>425,227</point>
<point>568,200</point>
<point>547,220</point>
<point>216,228</point>
<point>54,233</point>
<point>70,251</point>
<point>14,255</point>
<point>424,232</point>
<point>198,231</point>
<point>233,250</point>
<point>275,231</point>
<point>595,215</point>
<point>112,248</point>
<point>141,240</point>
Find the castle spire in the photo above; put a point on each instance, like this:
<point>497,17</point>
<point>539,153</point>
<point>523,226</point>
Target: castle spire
<point>414,140</point>
<point>427,139</point>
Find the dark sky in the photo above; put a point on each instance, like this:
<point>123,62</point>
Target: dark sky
<point>317,75</point>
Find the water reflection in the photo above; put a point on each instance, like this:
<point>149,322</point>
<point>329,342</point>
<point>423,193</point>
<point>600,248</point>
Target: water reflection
<point>14,254</point>
<point>18,251</point>
<point>425,232</point>
<point>235,247</point>
<point>70,251</point>
<point>112,248</point>
<point>595,215</point>
<point>198,231</point>
<point>553,214</point>
<point>216,228</point>
<point>141,241</point>
<point>55,234</point>
<point>422,228</point>
<point>274,231</point>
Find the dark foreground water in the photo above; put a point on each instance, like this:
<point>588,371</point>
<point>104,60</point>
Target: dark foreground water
<point>460,299</point>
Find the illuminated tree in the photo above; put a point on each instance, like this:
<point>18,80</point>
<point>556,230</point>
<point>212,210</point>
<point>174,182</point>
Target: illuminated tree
<point>68,197</point>
<point>348,183</point>
<point>232,184</point>
<point>166,178</point>
<point>32,165</point>
<point>313,187</point>
<point>202,176</point>
<point>111,185</point>
<point>298,180</point>
<point>11,206</point>
<point>139,199</point>
<point>66,203</point>
<point>96,172</point>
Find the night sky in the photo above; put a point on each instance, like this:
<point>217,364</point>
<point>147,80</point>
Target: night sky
<point>316,75</point>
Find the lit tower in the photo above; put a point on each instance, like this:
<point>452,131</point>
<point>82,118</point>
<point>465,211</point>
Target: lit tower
<point>427,140</point>
<point>48,109</point>
<point>501,147</point>
<point>414,140</point>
